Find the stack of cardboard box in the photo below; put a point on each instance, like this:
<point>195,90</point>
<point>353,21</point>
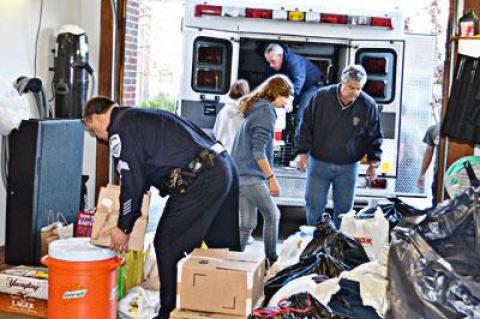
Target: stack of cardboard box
<point>217,283</point>
<point>24,290</point>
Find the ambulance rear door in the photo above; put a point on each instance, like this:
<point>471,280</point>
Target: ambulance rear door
<point>383,62</point>
<point>211,66</point>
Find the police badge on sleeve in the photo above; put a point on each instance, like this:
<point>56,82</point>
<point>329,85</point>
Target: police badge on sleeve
<point>115,145</point>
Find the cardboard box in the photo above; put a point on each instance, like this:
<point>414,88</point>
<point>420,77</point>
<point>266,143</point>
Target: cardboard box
<point>27,281</point>
<point>221,281</point>
<point>106,217</point>
<point>24,305</point>
<point>186,314</point>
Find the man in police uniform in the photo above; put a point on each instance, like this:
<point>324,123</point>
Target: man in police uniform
<point>158,148</point>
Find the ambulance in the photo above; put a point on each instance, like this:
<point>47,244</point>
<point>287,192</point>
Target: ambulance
<point>224,40</point>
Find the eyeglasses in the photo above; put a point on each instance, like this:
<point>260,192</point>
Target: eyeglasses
<point>85,117</point>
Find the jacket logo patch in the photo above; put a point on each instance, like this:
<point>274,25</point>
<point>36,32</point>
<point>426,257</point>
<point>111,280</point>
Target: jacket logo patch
<point>115,145</point>
<point>122,166</point>
<point>355,121</point>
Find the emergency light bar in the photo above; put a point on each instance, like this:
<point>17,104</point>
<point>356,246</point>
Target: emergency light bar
<point>295,16</point>
<point>333,18</point>
<point>205,9</point>
<point>258,13</point>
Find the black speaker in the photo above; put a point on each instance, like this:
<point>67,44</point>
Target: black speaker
<point>45,175</point>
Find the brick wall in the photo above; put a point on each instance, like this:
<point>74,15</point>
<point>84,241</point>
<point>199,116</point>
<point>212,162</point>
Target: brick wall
<point>137,52</point>
<point>131,53</point>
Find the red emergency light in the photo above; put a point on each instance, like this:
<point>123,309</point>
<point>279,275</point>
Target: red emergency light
<point>258,13</point>
<point>375,88</point>
<point>381,22</point>
<point>333,18</point>
<point>210,55</point>
<point>205,9</point>
<point>375,65</point>
<point>207,78</point>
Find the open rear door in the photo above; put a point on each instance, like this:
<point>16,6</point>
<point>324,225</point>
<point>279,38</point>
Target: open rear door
<point>416,113</point>
<point>211,64</point>
<point>383,61</point>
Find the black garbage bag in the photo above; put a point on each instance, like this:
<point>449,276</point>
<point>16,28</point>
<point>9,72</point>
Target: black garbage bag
<point>443,221</point>
<point>298,306</point>
<point>340,246</point>
<point>319,263</point>
<point>434,268</point>
<point>394,211</point>
<point>450,230</point>
<point>424,285</point>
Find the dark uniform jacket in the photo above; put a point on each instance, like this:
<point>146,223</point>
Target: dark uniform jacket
<point>340,136</point>
<point>303,73</point>
<point>146,145</point>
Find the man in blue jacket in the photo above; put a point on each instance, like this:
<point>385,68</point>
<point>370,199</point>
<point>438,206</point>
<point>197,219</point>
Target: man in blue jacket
<point>158,148</point>
<point>340,126</point>
<point>305,75</point>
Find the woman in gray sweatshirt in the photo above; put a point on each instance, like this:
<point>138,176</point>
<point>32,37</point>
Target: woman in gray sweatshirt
<point>253,153</point>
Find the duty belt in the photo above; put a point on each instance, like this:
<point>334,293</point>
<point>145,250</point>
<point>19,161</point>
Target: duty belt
<point>205,159</point>
<point>180,179</point>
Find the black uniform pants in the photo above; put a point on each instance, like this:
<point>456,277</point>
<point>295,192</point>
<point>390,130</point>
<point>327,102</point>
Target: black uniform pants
<point>208,212</point>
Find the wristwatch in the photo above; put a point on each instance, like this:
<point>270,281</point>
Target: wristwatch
<point>126,231</point>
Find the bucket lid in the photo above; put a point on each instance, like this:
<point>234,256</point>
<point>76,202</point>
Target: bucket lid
<point>78,249</point>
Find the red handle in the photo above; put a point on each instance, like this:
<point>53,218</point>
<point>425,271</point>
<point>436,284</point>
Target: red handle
<point>45,260</point>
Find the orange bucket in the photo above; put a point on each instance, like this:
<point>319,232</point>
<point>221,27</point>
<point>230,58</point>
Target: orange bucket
<point>82,280</point>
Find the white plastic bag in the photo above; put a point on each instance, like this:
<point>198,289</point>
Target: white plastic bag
<point>150,277</point>
<point>371,233</point>
<point>291,250</point>
<point>13,109</point>
<point>296,286</point>
<point>65,231</point>
<point>139,303</point>
<point>373,281</point>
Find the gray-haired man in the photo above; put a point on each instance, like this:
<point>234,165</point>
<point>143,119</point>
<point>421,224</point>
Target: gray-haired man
<point>340,126</point>
<point>305,75</point>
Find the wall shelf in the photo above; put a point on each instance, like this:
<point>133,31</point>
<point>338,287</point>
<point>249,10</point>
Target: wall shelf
<point>469,46</point>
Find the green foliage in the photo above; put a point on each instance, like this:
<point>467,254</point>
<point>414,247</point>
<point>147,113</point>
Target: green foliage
<point>161,101</point>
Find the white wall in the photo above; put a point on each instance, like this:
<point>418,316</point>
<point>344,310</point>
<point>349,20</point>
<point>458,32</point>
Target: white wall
<point>19,20</point>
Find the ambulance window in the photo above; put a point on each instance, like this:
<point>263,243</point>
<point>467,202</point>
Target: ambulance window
<point>211,65</point>
<point>380,65</point>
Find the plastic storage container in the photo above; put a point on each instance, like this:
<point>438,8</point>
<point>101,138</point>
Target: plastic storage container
<point>82,280</point>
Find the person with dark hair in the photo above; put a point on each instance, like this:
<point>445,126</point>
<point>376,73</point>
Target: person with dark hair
<point>340,126</point>
<point>253,153</point>
<point>305,76</point>
<point>160,149</point>
<point>228,119</point>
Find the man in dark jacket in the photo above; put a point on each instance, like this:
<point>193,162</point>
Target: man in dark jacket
<point>305,75</point>
<point>340,126</point>
<point>157,148</point>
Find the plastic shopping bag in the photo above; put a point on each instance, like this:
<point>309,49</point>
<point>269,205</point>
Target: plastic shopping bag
<point>371,232</point>
<point>57,228</point>
<point>139,303</point>
<point>13,109</point>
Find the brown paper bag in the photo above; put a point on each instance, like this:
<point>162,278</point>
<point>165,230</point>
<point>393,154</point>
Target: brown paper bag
<point>47,235</point>
<point>106,217</point>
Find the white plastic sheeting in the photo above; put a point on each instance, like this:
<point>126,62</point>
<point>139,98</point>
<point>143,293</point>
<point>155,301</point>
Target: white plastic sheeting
<point>13,109</point>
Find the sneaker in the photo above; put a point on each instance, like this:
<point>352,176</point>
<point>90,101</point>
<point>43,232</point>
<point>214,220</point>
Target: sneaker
<point>250,240</point>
